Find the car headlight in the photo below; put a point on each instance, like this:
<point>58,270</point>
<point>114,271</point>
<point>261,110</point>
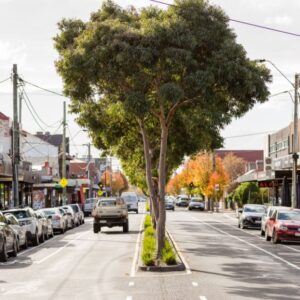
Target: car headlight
<point>283,227</point>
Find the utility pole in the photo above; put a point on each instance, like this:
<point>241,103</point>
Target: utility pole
<point>89,171</point>
<point>64,167</point>
<point>15,140</point>
<point>212,202</point>
<point>295,144</point>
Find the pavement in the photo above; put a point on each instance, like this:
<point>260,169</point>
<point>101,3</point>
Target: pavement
<point>223,262</point>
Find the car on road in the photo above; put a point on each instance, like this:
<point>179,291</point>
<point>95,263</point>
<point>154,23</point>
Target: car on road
<point>28,219</point>
<point>70,216</point>
<point>88,205</point>
<point>110,212</point>
<point>182,201</point>
<point>8,239</point>
<point>196,203</point>
<point>132,201</point>
<point>265,218</point>
<point>169,204</point>
<point>57,219</point>
<point>19,230</point>
<point>79,215</point>
<point>251,216</point>
<point>283,225</point>
<point>47,224</point>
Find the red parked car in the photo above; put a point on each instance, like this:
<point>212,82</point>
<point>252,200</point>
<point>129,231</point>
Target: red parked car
<point>283,225</point>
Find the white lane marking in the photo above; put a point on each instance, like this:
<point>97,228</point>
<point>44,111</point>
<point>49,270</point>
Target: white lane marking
<point>202,298</point>
<point>40,245</point>
<point>60,249</point>
<point>131,283</point>
<point>137,249</point>
<point>195,283</point>
<point>188,269</point>
<point>261,237</point>
<point>252,245</point>
<point>129,298</point>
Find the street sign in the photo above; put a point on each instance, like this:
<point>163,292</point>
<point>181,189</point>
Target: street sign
<point>63,182</point>
<point>100,193</point>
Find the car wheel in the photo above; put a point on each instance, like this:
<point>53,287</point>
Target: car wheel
<point>125,227</point>
<point>73,224</point>
<point>274,238</point>
<point>262,232</point>
<point>3,253</point>
<point>83,221</point>
<point>239,225</point>
<point>42,238</point>
<point>15,248</point>
<point>268,238</point>
<point>96,228</point>
<point>137,211</point>
<point>52,233</point>
<point>25,246</point>
<point>242,225</point>
<point>35,239</point>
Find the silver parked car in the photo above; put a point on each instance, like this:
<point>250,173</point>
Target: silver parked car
<point>57,219</point>
<point>47,224</point>
<point>70,216</point>
<point>78,212</point>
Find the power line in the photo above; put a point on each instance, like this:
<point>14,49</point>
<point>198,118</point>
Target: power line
<point>41,88</point>
<point>72,139</point>
<point>37,115</point>
<point>249,134</point>
<point>5,80</point>
<point>243,22</point>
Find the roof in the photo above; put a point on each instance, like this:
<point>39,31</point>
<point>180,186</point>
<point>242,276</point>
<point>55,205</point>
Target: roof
<point>247,155</point>
<point>4,117</point>
<point>53,139</point>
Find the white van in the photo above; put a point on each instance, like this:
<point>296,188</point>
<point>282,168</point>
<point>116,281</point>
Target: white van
<point>132,201</point>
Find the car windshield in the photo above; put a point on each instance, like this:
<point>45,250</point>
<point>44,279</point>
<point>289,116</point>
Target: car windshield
<point>75,208</point>
<point>50,212</point>
<point>184,199</point>
<point>196,200</point>
<point>20,214</point>
<point>291,215</point>
<point>90,200</point>
<point>130,198</point>
<point>254,209</point>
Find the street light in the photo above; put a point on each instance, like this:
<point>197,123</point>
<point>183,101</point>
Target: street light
<point>295,136</point>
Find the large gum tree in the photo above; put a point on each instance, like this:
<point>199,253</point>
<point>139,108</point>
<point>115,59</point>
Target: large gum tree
<point>155,85</point>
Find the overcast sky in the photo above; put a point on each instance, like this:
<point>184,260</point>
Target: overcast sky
<point>28,26</point>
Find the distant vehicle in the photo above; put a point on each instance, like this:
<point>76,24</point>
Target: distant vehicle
<point>196,203</point>
<point>132,201</point>
<point>169,204</point>
<point>70,216</point>
<point>78,211</point>
<point>88,205</point>
<point>265,218</point>
<point>110,212</point>
<point>251,216</point>
<point>8,239</point>
<point>47,225</point>
<point>182,201</point>
<point>28,219</point>
<point>283,225</point>
<point>19,230</point>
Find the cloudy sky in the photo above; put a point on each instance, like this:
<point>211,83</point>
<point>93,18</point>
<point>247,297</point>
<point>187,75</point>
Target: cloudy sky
<point>28,26</point>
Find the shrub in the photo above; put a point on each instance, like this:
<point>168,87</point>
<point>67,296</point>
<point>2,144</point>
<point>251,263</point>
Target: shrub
<point>168,254</point>
<point>147,207</point>
<point>148,221</point>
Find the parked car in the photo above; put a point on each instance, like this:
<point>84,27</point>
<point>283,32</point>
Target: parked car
<point>265,218</point>
<point>70,216</point>
<point>42,223</point>
<point>28,219</point>
<point>132,201</point>
<point>283,225</point>
<point>19,230</point>
<point>47,224</point>
<point>169,204</point>
<point>88,205</point>
<point>8,239</point>
<point>251,216</point>
<point>57,218</point>
<point>182,201</point>
<point>78,211</point>
<point>196,203</point>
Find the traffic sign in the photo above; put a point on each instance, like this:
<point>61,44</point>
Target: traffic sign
<point>63,182</point>
<point>100,193</point>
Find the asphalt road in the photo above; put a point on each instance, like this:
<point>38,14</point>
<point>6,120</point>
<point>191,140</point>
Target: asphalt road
<point>224,263</point>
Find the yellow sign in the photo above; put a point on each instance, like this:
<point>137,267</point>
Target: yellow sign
<point>100,193</point>
<point>63,182</point>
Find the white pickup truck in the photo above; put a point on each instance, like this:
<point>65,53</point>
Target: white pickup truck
<point>110,212</point>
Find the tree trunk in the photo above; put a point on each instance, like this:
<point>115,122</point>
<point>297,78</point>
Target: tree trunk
<point>148,162</point>
<point>161,224</point>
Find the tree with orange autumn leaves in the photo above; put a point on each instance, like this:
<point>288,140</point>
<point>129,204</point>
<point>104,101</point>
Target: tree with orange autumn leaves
<point>117,180</point>
<point>197,177</point>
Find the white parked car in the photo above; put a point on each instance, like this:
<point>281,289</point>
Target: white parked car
<point>46,223</point>
<point>70,216</point>
<point>132,201</point>
<point>28,219</point>
<point>78,211</point>
<point>19,230</point>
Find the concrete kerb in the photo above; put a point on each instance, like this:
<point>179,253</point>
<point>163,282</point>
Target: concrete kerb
<point>180,266</point>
